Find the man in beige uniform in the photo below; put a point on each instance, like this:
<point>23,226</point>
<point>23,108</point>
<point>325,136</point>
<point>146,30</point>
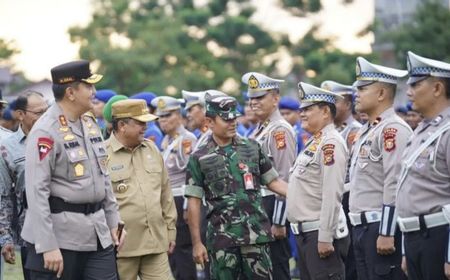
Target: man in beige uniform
<point>176,146</point>
<point>72,216</point>
<point>423,198</point>
<point>277,139</point>
<point>141,185</point>
<point>348,127</point>
<point>374,172</point>
<point>315,189</point>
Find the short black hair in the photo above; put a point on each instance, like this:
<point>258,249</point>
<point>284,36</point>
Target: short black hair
<point>115,122</point>
<point>22,101</point>
<point>330,105</point>
<point>60,90</point>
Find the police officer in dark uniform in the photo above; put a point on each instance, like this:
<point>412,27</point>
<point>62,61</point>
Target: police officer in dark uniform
<point>72,217</point>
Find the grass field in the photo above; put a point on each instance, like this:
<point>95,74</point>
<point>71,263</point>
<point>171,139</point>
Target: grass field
<point>13,272</point>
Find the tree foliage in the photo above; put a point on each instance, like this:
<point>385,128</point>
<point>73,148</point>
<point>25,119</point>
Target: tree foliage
<point>7,49</point>
<point>427,33</point>
<point>166,46</point>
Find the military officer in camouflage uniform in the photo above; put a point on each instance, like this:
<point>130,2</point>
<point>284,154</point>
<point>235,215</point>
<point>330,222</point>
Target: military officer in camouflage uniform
<point>72,217</point>
<point>277,139</point>
<point>348,127</point>
<point>228,172</point>
<point>374,172</point>
<point>316,184</point>
<point>195,107</point>
<point>177,145</point>
<point>423,198</point>
<point>29,106</point>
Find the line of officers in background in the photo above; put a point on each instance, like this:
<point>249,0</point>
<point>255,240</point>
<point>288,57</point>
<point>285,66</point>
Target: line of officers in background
<point>360,201</point>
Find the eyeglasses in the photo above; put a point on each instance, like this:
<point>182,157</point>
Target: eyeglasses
<point>37,113</point>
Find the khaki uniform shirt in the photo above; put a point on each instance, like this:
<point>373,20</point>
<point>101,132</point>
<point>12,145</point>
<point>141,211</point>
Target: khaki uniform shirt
<point>426,188</point>
<point>176,153</point>
<point>375,165</point>
<point>141,186</point>
<point>67,160</point>
<point>316,182</point>
<point>349,131</point>
<point>278,141</point>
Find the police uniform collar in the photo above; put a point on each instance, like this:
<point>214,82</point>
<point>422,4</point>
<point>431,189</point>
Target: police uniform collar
<point>437,120</point>
<point>327,128</point>
<point>349,120</point>
<point>275,116</point>
<point>20,134</point>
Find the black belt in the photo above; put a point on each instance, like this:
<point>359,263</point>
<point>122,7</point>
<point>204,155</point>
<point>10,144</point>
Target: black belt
<point>58,205</point>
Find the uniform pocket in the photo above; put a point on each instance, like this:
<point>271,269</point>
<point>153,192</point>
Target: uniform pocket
<point>120,181</point>
<point>78,164</point>
<point>216,175</point>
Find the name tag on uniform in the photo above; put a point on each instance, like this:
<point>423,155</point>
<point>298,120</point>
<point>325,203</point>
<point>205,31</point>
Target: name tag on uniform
<point>248,181</point>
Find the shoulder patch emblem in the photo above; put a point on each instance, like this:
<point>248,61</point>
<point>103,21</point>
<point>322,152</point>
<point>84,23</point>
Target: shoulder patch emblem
<point>280,138</point>
<point>351,138</point>
<point>45,145</point>
<point>328,154</point>
<point>187,146</point>
<point>389,135</point>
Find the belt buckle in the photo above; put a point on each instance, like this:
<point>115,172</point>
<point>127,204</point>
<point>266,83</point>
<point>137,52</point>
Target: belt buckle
<point>295,228</point>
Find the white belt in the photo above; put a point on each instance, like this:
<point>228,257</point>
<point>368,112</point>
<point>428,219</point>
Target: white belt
<point>178,191</point>
<point>371,217</point>
<point>413,224</point>
<point>266,192</point>
<point>304,227</point>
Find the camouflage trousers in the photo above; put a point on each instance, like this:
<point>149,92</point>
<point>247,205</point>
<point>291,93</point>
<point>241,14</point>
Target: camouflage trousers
<point>243,262</point>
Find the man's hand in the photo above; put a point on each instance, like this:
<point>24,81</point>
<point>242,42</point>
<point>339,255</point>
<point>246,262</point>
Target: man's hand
<point>279,232</point>
<point>171,247</point>
<point>385,245</point>
<point>447,270</point>
<point>325,249</point>
<point>53,261</point>
<point>118,243</point>
<point>200,255</point>
<point>404,267</point>
<point>9,254</point>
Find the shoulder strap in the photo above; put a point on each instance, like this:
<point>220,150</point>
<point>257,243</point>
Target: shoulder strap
<point>412,157</point>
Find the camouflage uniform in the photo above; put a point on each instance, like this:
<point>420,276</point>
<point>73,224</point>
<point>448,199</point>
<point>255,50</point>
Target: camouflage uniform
<point>12,188</point>
<point>238,226</point>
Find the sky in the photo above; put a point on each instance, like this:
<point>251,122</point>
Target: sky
<point>39,28</point>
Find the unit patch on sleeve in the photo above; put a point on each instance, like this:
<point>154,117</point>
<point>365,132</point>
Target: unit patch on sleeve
<point>389,139</point>
<point>44,146</point>
<point>280,138</point>
<point>187,146</point>
<point>328,154</point>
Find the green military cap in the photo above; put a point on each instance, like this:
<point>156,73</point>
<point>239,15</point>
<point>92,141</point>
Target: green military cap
<point>222,106</point>
<point>107,110</point>
<point>132,108</point>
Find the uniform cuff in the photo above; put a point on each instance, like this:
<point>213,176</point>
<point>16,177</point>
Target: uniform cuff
<point>194,191</point>
<point>326,236</point>
<point>269,176</point>
<point>5,238</point>
<point>171,234</point>
<point>388,221</point>
<point>112,220</point>
<point>279,212</point>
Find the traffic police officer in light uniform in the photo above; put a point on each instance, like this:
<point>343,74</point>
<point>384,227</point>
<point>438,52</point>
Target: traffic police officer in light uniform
<point>277,139</point>
<point>177,145</point>
<point>423,198</point>
<point>374,172</point>
<point>348,127</point>
<point>72,217</point>
<point>316,184</point>
<point>228,171</point>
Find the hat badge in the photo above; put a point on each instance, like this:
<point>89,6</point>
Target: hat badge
<point>301,92</point>
<point>253,83</point>
<point>161,104</point>
<point>326,86</point>
<point>358,69</point>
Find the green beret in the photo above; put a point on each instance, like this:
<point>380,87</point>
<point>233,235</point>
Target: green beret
<point>107,110</point>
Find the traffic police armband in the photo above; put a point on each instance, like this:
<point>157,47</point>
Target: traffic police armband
<point>388,221</point>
